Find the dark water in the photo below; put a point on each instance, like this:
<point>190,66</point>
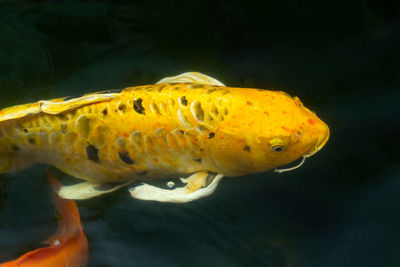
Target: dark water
<point>342,59</point>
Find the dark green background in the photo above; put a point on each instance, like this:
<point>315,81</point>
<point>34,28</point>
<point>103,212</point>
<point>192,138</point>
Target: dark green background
<point>341,58</point>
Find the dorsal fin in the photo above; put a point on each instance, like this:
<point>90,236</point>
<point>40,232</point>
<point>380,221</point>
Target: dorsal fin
<point>192,77</point>
<point>54,106</point>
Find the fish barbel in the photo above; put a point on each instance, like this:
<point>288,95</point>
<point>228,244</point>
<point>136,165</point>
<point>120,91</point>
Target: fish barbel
<point>190,124</point>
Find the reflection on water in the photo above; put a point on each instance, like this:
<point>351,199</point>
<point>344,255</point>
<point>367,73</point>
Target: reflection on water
<point>340,208</point>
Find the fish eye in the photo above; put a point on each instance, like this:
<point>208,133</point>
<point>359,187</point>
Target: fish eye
<point>278,144</point>
<point>277,148</point>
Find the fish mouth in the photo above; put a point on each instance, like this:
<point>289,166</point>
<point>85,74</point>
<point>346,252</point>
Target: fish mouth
<point>321,141</point>
<point>323,136</point>
<point>319,144</point>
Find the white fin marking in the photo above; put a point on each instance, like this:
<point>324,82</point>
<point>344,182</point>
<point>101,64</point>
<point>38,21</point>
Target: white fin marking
<point>192,77</point>
<point>177,195</point>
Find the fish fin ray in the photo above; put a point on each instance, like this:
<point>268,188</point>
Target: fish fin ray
<point>191,77</point>
<point>87,190</point>
<point>54,106</point>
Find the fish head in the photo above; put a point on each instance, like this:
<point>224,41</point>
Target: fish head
<point>265,130</point>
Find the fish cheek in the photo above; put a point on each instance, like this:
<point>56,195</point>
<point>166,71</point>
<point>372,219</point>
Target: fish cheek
<point>232,154</point>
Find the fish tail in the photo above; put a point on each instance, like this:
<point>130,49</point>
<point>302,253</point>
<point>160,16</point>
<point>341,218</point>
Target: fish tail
<point>68,247</point>
<point>69,228</point>
<point>67,208</point>
<point>70,222</point>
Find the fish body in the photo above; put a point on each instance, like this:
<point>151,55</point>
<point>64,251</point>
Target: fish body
<point>182,125</point>
<point>68,247</point>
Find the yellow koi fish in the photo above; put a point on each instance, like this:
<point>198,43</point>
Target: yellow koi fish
<point>190,124</point>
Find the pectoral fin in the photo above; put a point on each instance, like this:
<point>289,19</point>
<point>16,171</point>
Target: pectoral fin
<point>87,190</point>
<point>197,186</point>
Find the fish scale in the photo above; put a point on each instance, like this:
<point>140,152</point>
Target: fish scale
<point>187,124</point>
<point>165,142</point>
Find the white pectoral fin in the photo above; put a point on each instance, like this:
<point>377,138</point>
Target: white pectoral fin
<point>193,190</point>
<point>87,190</point>
<point>192,77</point>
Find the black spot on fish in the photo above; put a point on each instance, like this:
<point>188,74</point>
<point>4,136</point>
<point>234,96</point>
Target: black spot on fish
<point>214,110</point>
<point>122,107</point>
<point>107,186</point>
<point>246,148</point>
<point>111,91</point>
<point>31,141</point>
<point>195,86</point>
<point>105,111</point>
<point>14,147</point>
<point>141,173</point>
<point>211,135</point>
<point>26,130</point>
<point>124,156</point>
<point>137,105</point>
<point>92,153</point>
<point>197,160</point>
<point>198,111</point>
<point>64,128</point>
<point>183,100</point>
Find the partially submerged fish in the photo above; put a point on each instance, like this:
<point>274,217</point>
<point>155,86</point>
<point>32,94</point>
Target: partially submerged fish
<point>68,247</point>
<point>187,124</point>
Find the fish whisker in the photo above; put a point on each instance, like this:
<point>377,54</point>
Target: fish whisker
<point>293,168</point>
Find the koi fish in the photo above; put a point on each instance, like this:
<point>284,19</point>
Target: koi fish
<point>190,124</point>
<point>68,247</point>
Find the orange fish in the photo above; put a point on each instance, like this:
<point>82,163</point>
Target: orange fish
<point>190,124</point>
<point>68,247</point>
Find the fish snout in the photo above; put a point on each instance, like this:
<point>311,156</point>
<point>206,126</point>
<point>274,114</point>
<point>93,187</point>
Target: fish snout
<point>323,136</point>
<point>321,133</point>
